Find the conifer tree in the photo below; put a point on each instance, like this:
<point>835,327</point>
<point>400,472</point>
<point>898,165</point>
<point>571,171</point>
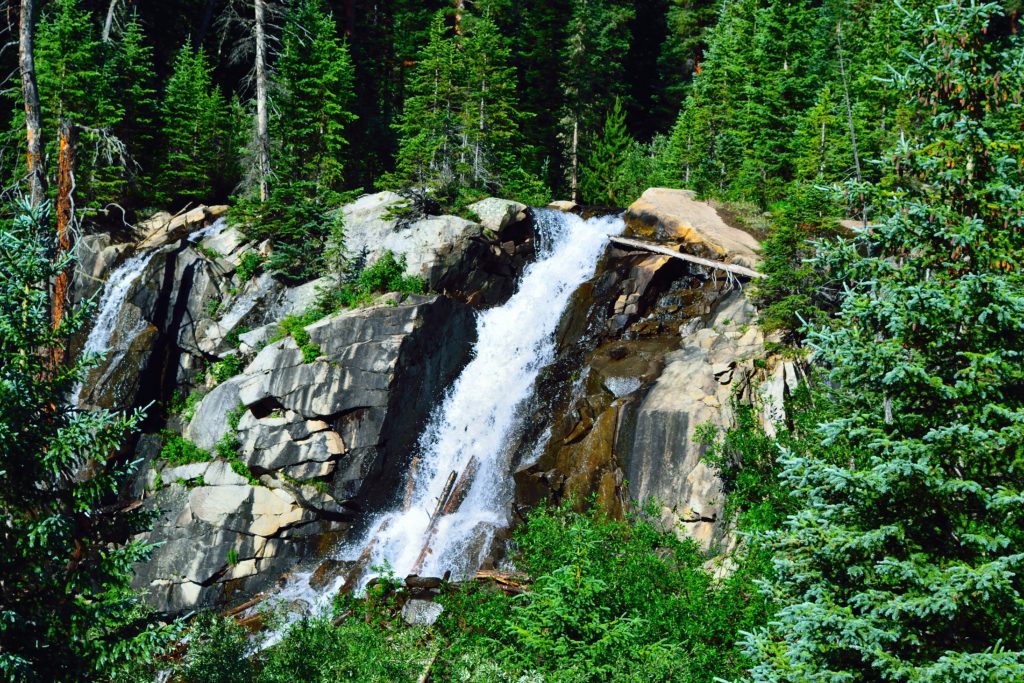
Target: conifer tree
<point>428,123</point>
<point>490,117</point>
<point>594,52</point>
<point>315,79</point>
<point>906,560</point>
<point>75,88</point>
<point>197,130</point>
<point>66,610</point>
<point>605,160</point>
<point>138,128</point>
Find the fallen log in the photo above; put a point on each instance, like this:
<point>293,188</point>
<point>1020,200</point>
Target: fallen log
<point>461,489</point>
<point>659,249</point>
<point>510,584</point>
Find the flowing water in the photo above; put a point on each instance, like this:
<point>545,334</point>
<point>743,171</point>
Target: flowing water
<point>119,285</point>
<point>481,411</point>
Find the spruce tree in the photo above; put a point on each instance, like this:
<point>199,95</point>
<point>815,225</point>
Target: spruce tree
<point>600,183</point>
<point>134,77</point>
<point>315,80</point>
<point>428,123</point>
<point>66,610</point>
<point>490,117</point>
<point>75,87</point>
<point>906,559</point>
<point>197,130</point>
<point>596,43</point>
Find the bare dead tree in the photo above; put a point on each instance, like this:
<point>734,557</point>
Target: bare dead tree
<point>262,131</point>
<point>30,93</point>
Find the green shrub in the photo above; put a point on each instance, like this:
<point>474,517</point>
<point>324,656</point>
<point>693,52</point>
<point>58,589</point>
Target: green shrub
<point>250,264</point>
<point>226,368</point>
<point>177,450</point>
<point>217,652</point>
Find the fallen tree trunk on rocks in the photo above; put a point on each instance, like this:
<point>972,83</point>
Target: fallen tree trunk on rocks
<point>659,249</point>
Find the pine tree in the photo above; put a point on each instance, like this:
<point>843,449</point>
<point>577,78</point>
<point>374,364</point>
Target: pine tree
<point>315,79</point>
<point>66,610</point>
<point>596,43</point>
<point>906,561</point>
<point>134,77</point>
<point>428,123</point>
<point>75,88</point>
<point>197,128</point>
<point>490,119</point>
<point>605,161</point>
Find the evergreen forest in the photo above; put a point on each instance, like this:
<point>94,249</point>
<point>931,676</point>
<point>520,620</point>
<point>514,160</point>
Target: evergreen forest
<point>874,149</point>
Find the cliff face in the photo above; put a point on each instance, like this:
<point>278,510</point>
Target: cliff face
<point>296,442</point>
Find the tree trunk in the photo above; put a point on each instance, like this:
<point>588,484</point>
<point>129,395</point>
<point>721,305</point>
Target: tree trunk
<point>459,5</point>
<point>65,217</point>
<point>575,160</point>
<point>30,93</point>
<point>108,24</point>
<point>262,134</point>
<point>849,115</point>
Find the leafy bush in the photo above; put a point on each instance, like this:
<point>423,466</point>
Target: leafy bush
<point>250,264</point>
<point>387,274</point>
<point>177,450</point>
<point>226,368</point>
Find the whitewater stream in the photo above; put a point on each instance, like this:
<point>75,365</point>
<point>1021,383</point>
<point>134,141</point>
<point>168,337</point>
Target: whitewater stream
<point>463,455</point>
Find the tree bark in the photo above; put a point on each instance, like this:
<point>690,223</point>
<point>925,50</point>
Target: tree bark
<point>108,24</point>
<point>262,133</point>
<point>459,6</point>
<point>575,160</point>
<point>30,93</point>
<point>65,217</point>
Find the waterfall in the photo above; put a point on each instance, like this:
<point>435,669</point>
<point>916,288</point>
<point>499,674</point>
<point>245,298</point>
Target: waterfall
<point>472,427</point>
<point>117,288</point>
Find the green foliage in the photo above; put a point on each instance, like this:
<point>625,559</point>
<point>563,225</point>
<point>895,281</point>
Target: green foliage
<point>297,219</point>
<point>185,404</point>
<point>315,83</point>
<point>605,160</point>
<point>75,85</point>
<point>217,651</point>
<point>387,274</point>
<point>177,450</point>
<point>226,368</point>
<point>200,154</point>
<point>795,292</point>
<point>66,610</point>
<point>904,560</point>
<point>250,264</point>
<point>459,126</point>
<point>294,326</point>
<point>138,129</point>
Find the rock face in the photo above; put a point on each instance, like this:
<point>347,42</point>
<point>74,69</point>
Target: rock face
<point>651,349</point>
<point>700,380</point>
<point>314,440</point>
<point>321,436</point>
<point>676,215</point>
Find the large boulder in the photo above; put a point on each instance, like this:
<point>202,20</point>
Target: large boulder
<point>497,214</point>
<point>677,215</point>
<point>163,228</point>
<point>375,224</point>
<point>378,375</point>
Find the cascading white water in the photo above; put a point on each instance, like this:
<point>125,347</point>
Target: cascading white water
<point>481,410</point>
<point>115,290</point>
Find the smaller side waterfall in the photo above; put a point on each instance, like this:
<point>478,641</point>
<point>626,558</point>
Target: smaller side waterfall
<point>118,287</point>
